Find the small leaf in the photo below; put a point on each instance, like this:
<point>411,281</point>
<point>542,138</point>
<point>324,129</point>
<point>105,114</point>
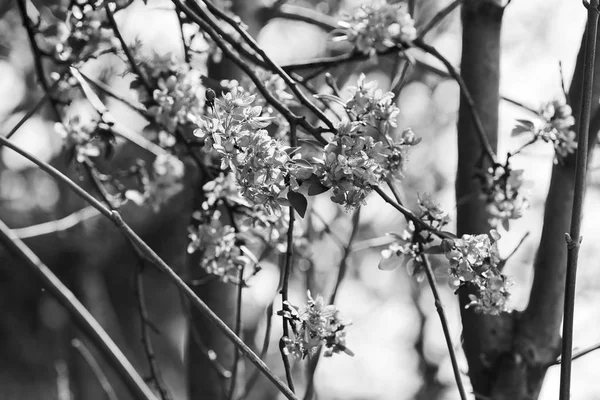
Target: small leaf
<point>330,97</point>
<point>388,264</point>
<point>298,202</point>
<point>316,188</point>
<point>524,126</point>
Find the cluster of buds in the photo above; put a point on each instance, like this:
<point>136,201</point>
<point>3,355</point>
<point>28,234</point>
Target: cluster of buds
<point>354,162</point>
<point>264,169</point>
<point>177,92</point>
<point>378,27</point>
<point>556,128</point>
<point>314,326</point>
<point>406,248</point>
<point>161,185</point>
<point>474,260</point>
<point>253,221</point>
<point>501,188</point>
<point>217,244</point>
<point>277,87</point>
<point>84,34</point>
<point>85,140</point>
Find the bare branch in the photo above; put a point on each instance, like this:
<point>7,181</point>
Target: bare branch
<point>82,317</point>
<point>149,254</point>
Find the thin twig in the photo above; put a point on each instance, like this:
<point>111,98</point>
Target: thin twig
<point>266,340</point>
<point>28,115</point>
<point>58,225</point>
<point>107,118</point>
<point>206,352</point>
<point>342,267</point>
<point>289,255</point>
<point>132,63</point>
<point>485,144</point>
<point>81,316</point>
<point>440,310</point>
<point>580,353</point>
<point>574,237</point>
<point>439,17</point>
<point>37,56</point>
<point>238,329</point>
<point>106,89</point>
<point>419,223</point>
<point>297,13</point>
<point>95,367</point>
<point>249,71</point>
<point>155,372</point>
<point>150,255</point>
<point>304,100</point>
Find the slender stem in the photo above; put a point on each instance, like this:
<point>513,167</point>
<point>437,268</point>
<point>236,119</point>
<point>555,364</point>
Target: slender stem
<point>304,14</point>
<point>132,63</point>
<point>419,223</point>
<point>580,353</point>
<point>37,56</point>
<point>238,330</point>
<point>439,17</point>
<point>95,367</point>
<point>574,238</point>
<point>149,254</point>
<point>155,371</point>
<point>82,317</point>
<point>249,71</point>
<point>58,225</point>
<point>265,346</point>
<point>342,267</point>
<point>440,310</point>
<point>485,144</point>
<point>284,297</point>
<point>276,68</point>
<point>28,115</point>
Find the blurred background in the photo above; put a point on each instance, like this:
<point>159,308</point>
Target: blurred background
<point>396,335</point>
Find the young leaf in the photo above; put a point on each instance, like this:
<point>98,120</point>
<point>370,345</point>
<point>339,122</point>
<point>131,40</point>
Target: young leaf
<point>298,202</point>
<point>316,188</point>
<point>388,264</point>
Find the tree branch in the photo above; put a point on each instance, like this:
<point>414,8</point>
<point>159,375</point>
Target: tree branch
<point>574,239</point>
<point>82,317</point>
<point>149,254</point>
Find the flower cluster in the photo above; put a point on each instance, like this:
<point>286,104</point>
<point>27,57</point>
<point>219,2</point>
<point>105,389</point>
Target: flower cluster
<point>502,192</point>
<point>353,162</point>
<point>315,325</point>
<point>407,245</point>
<point>160,186</point>
<point>176,99</point>
<point>220,252</point>
<point>264,169</point>
<point>85,140</point>
<point>556,128</point>
<point>84,34</point>
<point>253,221</point>
<point>378,27</point>
<point>277,87</point>
<point>474,260</point>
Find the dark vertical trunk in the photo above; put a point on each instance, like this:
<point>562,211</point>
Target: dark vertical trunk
<point>485,337</point>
